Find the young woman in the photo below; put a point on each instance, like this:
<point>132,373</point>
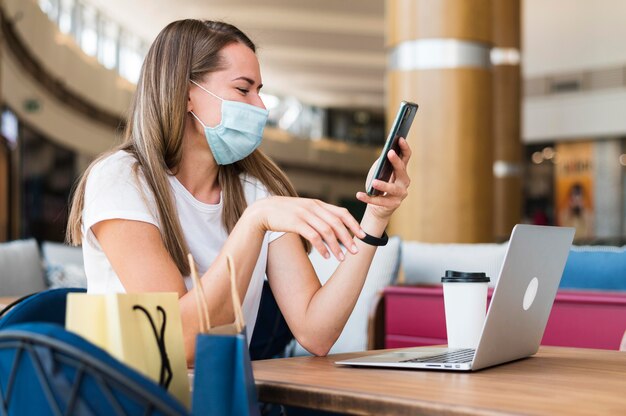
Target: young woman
<point>189,178</point>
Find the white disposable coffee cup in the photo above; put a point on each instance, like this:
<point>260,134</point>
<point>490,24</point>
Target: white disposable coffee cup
<point>465,301</point>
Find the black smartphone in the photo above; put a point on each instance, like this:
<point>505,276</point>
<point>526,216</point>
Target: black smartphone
<point>400,128</point>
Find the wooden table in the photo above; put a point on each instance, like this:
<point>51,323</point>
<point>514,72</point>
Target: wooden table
<point>556,380</point>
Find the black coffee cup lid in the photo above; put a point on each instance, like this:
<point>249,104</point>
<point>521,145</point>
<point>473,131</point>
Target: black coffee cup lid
<point>453,276</point>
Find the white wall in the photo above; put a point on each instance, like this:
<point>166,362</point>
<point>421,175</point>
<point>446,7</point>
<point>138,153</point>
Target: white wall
<point>570,116</point>
<point>567,35</point>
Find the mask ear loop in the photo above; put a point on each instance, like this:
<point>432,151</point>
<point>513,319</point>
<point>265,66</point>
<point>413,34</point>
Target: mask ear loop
<point>205,90</point>
<point>199,121</point>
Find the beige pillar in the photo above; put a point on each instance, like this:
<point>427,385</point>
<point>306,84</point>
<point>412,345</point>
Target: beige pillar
<point>439,58</point>
<point>507,114</point>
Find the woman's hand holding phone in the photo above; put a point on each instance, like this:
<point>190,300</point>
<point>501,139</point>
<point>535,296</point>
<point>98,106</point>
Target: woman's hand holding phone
<point>400,128</point>
<point>394,191</point>
<point>387,181</point>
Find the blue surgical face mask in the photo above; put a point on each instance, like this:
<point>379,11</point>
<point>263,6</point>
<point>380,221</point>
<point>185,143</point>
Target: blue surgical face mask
<point>238,134</point>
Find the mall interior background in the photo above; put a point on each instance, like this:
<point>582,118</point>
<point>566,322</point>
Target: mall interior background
<point>68,67</point>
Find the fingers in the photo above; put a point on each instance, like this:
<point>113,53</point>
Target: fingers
<point>315,238</point>
<point>370,174</point>
<point>324,225</point>
<point>399,166</point>
<point>391,190</point>
<point>331,225</point>
<point>399,180</point>
<point>394,191</point>
<point>382,201</point>
<point>405,150</point>
<point>327,235</point>
<point>346,218</point>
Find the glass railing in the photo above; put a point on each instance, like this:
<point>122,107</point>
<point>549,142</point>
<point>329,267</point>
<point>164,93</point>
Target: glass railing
<point>97,35</point>
<point>121,50</point>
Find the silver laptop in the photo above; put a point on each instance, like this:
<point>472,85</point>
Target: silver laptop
<point>515,322</point>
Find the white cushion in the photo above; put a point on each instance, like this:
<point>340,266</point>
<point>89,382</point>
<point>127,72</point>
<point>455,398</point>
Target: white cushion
<point>21,272</point>
<point>64,265</point>
<point>383,272</point>
<point>426,263</point>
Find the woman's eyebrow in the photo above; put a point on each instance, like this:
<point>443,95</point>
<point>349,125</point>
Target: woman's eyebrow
<point>248,80</point>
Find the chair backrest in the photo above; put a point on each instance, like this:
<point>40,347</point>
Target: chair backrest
<point>595,268</point>
<point>21,270</point>
<point>46,370</point>
<point>64,265</point>
<point>47,306</point>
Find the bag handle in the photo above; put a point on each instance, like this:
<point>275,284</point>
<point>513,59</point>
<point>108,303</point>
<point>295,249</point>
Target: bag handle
<point>239,321</point>
<point>201,305</point>
<point>166,375</point>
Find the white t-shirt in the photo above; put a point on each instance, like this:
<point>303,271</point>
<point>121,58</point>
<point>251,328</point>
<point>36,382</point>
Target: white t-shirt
<point>113,191</point>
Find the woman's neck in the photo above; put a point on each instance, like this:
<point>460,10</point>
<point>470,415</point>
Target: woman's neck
<point>197,170</point>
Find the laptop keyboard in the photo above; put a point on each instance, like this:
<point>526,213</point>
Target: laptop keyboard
<point>459,356</point>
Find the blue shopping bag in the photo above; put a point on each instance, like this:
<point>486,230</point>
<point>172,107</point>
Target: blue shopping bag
<point>223,381</point>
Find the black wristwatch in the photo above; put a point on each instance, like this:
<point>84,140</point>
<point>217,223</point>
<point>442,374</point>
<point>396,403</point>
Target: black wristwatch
<point>375,241</point>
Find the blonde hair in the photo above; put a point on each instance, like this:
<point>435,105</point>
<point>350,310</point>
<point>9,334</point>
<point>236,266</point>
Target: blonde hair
<point>185,50</point>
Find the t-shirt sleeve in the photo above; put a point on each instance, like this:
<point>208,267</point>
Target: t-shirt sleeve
<point>274,235</point>
<point>115,191</point>
<point>255,190</point>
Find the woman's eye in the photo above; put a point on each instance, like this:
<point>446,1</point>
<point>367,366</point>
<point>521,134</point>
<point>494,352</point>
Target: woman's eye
<point>243,91</point>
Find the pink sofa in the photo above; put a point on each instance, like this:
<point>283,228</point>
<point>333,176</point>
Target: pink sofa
<point>589,310</point>
<point>414,316</point>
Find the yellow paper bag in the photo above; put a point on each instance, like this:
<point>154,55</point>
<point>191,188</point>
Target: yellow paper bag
<point>143,330</point>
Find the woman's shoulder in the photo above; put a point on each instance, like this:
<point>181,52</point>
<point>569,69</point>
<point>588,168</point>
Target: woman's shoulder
<point>116,170</point>
<point>119,162</point>
<point>116,190</point>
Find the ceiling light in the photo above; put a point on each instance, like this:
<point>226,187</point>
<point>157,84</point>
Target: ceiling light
<point>548,153</point>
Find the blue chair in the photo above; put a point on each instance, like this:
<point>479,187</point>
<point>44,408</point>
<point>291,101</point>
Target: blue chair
<point>271,334</point>
<point>46,370</point>
<point>46,306</point>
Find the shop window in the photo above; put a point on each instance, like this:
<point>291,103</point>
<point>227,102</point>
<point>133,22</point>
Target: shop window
<point>356,126</point>
<point>539,191</point>
<point>47,173</point>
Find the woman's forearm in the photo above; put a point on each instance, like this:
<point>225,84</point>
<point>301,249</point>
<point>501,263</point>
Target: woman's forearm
<point>332,304</point>
<point>244,246</point>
